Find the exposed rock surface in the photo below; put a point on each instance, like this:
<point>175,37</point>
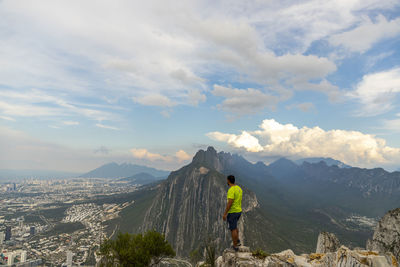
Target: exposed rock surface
<point>327,242</point>
<point>190,203</point>
<point>344,257</point>
<point>168,262</point>
<point>387,234</point>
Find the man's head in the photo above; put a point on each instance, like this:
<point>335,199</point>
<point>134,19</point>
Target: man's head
<point>230,179</point>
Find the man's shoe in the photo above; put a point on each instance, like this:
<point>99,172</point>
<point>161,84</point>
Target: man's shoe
<point>238,243</point>
<point>236,249</point>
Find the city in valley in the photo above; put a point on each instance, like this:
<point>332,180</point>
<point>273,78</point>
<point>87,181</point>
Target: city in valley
<point>59,222</point>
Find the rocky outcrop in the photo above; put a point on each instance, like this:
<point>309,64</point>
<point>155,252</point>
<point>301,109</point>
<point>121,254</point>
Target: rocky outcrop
<point>168,262</point>
<point>189,205</point>
<point>343,257</point>
<point>387,234</point>
<point>327,242</point>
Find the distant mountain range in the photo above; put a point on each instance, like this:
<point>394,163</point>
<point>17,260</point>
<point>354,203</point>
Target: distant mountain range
<point>142,178</point>
<point>328,161</point>
<point>115,170</point>
<point>286,204</point>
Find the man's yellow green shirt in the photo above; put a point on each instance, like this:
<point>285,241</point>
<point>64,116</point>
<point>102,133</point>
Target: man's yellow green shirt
<point>235,193</point>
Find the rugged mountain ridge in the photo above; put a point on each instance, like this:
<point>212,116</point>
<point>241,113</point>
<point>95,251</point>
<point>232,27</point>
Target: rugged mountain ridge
<point>189,205</point>
<point>141,178</point>
<point>367,181</point>
<point>328,161</point>
<point>293,205</point>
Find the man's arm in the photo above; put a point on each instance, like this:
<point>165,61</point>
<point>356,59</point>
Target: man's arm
<point>228,207</point>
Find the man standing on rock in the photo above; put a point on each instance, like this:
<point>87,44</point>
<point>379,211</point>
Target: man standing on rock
<point>233,210</point>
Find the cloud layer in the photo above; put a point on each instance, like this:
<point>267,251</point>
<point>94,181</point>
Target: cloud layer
<point>275,139</point>
<point>143,154</point>
<point>244,101</point>
<point>361,38</point>
<point>137,50</point>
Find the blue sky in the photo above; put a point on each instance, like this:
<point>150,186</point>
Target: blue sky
<point>84,83</point>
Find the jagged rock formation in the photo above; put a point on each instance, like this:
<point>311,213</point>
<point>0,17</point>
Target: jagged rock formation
<point>343,257</point>
<point>327,242</point>
<point>189,205</point>
<point>380,251</point>
<point>387,234</point>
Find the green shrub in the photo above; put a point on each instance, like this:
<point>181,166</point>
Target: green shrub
<point>259,253</point>
<point>195,256</point>
<point>139,250</point>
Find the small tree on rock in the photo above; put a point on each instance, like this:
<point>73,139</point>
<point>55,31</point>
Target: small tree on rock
<point>139,250</point>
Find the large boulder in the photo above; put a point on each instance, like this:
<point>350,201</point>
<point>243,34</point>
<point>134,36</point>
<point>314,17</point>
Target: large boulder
<point>386,237</point>
<point>327,242</point>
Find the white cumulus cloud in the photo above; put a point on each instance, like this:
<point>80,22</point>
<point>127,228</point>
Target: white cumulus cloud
<point>276,139</point>
<point>377,92</point>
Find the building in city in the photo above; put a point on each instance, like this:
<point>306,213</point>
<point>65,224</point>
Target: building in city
<point>8,233</point>
<point>23,256</point>
<point>10,260</point>
<point>32,231</point>
<point>2,237</point>
<point>69,258</point>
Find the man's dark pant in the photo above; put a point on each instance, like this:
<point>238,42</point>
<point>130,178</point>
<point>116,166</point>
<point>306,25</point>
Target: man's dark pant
<point>232,220</point>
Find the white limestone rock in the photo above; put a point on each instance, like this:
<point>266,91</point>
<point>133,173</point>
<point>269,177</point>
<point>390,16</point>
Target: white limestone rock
<point>386,237</point>
<point>343,257</point>
<point>327,242</point>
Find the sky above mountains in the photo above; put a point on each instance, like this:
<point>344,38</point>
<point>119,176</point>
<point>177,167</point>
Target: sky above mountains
<point>83,83</point>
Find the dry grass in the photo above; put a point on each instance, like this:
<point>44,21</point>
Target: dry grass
<point>316,256</point>
<point>394,261</point>
<point>368,253</point>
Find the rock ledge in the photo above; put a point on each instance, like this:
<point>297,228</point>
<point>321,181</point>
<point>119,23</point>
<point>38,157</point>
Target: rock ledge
<point>343,257</point>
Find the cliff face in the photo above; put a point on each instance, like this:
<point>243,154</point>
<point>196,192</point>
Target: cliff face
<point>190,203</point>
<point>387,234</point>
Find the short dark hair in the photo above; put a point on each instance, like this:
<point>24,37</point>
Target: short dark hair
<point>231,179</point>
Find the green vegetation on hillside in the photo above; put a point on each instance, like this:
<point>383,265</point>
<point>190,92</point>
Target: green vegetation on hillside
<point>131,218</point>
<point>65,228</point>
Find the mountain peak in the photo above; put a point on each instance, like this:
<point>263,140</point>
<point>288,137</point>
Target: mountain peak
<point>211,149</point>
<point>115,170</point>
<point>282,162</point>
<point>208,158</point>
<point>282,168</point>
<point>328,161</point>
<point>260,164</point>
